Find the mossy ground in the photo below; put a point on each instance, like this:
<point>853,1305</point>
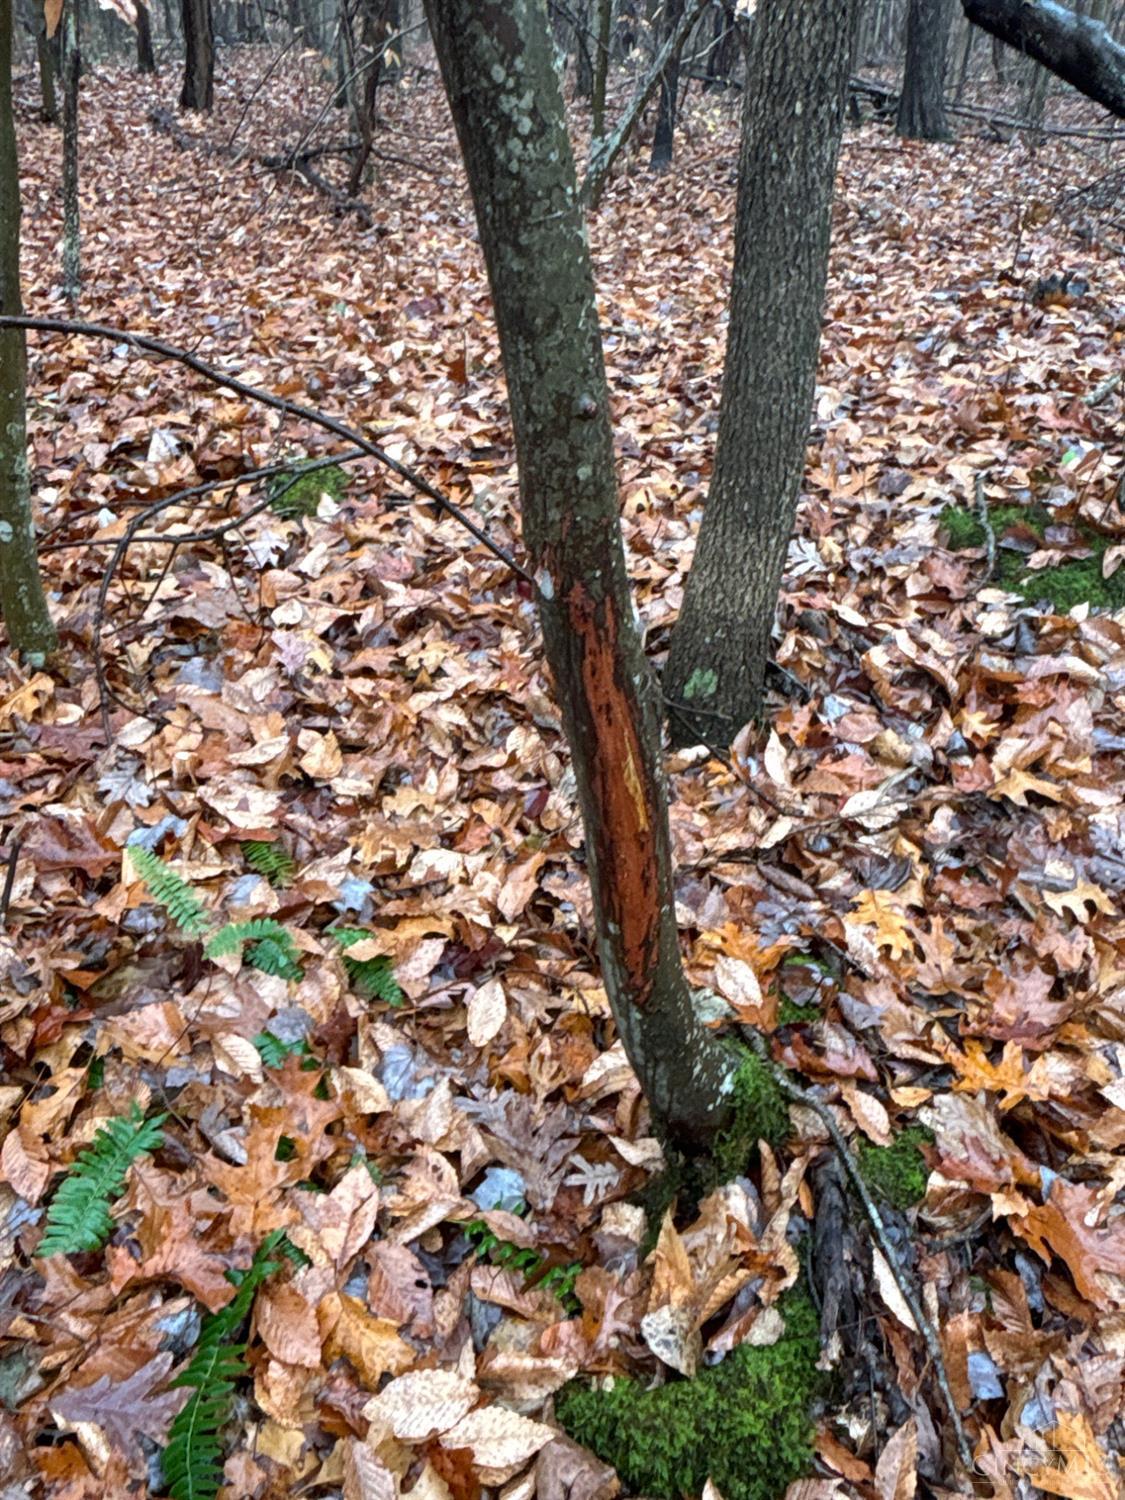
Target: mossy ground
<point>292,496</point>
<point>1076,582</point>
<point>896,1173</point>
<point>743,1423</point>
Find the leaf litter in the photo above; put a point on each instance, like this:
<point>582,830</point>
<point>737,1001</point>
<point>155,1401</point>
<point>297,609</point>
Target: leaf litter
<point>911,879</point>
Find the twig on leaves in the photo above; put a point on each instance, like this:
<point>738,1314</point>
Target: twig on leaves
<point>798,1095</point>
<point>9,880</point>
<point>985,520</point>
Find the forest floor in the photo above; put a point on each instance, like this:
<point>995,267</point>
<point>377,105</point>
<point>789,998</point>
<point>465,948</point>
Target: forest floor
<point>911,877</point>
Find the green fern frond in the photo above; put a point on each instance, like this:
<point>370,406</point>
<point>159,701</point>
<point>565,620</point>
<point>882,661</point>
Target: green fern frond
<point>171,890</point>
<point>271,949</point>
<point>273,1051</point>
<point>79,1217</point>
<point>273,862</point>
<point>374,978</point>
<point>193,1459</point>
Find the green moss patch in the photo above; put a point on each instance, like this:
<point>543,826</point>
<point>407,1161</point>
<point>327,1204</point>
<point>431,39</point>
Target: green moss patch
<point>744,1423</point>
<point>1078,581</point>
<point>896,1173</point>
<point>297,494</point>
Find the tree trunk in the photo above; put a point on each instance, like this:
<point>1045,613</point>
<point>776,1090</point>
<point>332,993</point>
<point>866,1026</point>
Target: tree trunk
<point>921,105</point>
<point>499,74</point>
<point>72,228</point>
<point>22,605</point>
<point>723,56</point>
<point>963,73</point>
<point>601,68</point>
<point>663,140</point>
<point>146,58</point>
<point>792,120</point>
<point>198,91</point>
<point>46,53</point>
<point>584,71</point>
<point>1079,49</point>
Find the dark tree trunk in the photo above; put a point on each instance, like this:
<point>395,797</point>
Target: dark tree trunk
<point>504,91</point>
<point>921,105</point>
<point>47,56</point>
<point>23,608</point>
<point>663,140</point>
<point>1080,49</point>
<point>380,24</point>
<point>791,125</point>
<point>966,54</point>
<point>198,91</point>
<point>584,72</point>
<point>146,58</point>
<point>723,57</point>
<point>601,68</point>
<point>71,67</point>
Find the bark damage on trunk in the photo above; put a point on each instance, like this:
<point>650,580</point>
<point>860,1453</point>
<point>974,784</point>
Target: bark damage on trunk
<point>499,72</point>
<point>1077,48</point>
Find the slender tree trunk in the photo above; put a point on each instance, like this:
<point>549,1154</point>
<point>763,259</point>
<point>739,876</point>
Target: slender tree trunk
<point>601,68</point>
<point>497,65</point>
<point>46,53</point>
<point>723,57</point>
<point>146,58</point>
<point>23,607</point>
<point>921,105</point>
<point>663,140</point>
<point>584,72</point>
<point>1079,49</point>
<point>792,120</point>
<point>72,227</point>
<point>198,91</point>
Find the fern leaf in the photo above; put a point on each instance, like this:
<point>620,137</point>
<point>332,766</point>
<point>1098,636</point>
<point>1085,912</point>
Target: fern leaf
<point>271,949</point>
<point>374,978</point>
<point>273,1051</point>
<point>193,1459</point>
<point>271,861</point>
<point>79,1217</point>
<point>171,890</point>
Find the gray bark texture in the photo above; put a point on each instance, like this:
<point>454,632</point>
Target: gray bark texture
<point>1079,49</point>
<point>791,125</point>
<point>497,65</point>
<point>22,605</point>
<point>198,90</point>
<point>921,105</point>
<point>71,80</point>
<point>146,58</point>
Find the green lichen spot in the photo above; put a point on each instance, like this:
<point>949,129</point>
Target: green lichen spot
<point>743,1423</point>
<point>702,683</point>
<point>896,1173</point>
<point>301,495</point>
<point>1079,581</point>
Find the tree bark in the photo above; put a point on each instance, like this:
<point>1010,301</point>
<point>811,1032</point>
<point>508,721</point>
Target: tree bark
<point>146,58</point>
<point>921,105</point>
<point>72,227</point>
<point>1080,49</point>
<point>23,607</point>
<point>791,125</point>
<point>604,10</point>
<point>663,141</point>
<point>198,91</point>
<point>499,74</point>
<point>46,53</point>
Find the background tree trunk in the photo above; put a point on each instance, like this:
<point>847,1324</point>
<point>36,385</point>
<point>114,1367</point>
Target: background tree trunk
<point>72,226</point>
<point>497,65</point>
<point>198,91</point>
<point>791,125</point>
<point>1079,49</point>
<point>22,605</point>
<point>146,58</point>
<point>46,53</point>
<point>921,105</point>
<point>604,16</point>
<point>663,140</point>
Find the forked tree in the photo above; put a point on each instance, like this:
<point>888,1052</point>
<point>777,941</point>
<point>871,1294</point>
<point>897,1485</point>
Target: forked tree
<point>22,603</point>
<point>497,63</point>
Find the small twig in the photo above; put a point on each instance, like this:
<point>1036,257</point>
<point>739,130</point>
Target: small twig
<point>986,524</point>
<point>929,1335</point>
<point>9,880</point>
